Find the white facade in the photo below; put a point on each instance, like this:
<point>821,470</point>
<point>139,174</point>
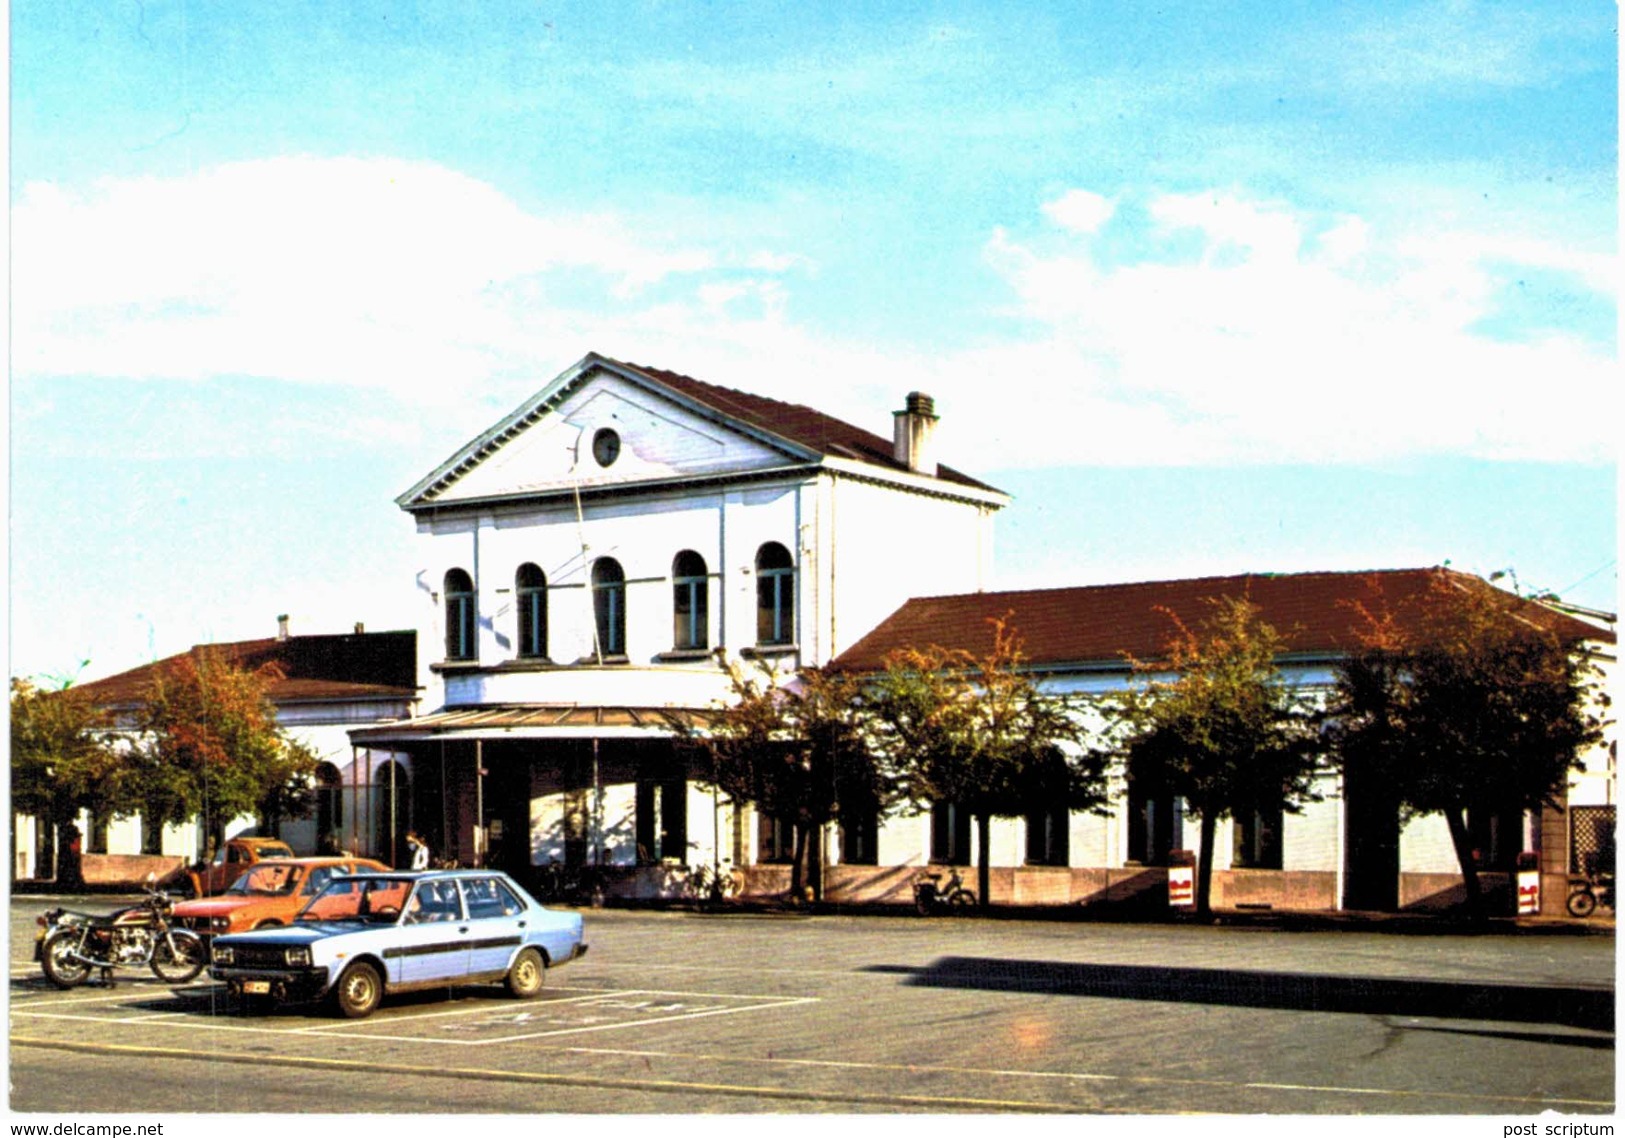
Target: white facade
<point>689,471</point>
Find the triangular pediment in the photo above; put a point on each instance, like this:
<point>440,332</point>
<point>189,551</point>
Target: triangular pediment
<point>600,425</point>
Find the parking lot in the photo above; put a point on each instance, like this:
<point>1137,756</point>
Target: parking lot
<point>676,1012</point>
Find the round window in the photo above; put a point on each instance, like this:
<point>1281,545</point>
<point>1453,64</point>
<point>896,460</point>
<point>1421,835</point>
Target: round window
<point>606,446</point>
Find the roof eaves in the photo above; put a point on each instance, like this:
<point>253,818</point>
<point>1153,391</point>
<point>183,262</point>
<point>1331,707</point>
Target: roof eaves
<point>505,429</point>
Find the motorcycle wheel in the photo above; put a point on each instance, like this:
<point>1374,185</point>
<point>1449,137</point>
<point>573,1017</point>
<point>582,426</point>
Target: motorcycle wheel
<point>57,960</point>
<point>1582,903</point>
<point>961,901</point>
<point>184,962</point>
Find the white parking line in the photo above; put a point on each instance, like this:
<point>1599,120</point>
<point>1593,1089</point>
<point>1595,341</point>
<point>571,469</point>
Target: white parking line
<point>475,1009</point>
<point>393,1027</point>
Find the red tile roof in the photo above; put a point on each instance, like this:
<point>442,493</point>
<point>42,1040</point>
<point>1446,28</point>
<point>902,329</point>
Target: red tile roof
<point>1314,612</point>
<point>812,429</point>
<point>362,665</point>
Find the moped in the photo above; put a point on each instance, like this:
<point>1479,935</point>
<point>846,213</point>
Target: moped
<point>932,895</point>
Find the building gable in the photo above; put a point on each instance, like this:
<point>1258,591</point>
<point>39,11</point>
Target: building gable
<point>667,427</point>
<point>656,438</point>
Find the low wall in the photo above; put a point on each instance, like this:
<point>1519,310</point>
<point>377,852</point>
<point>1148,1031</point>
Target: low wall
<point>1126,889</point>
<point>1436,892</point>
<point>1291,891</point>
<point>106,871</point>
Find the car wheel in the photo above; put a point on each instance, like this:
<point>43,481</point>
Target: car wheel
<point>183,962</point>
<point>358,991</point>
<point>57,959</point>
<point>268,925</point>
<point>527,975</point>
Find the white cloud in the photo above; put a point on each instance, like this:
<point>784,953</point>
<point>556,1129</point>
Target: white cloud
<point>364,272</point>
<point>1273,336</point>
<point>1284,339</point>
<point>1080,211</point>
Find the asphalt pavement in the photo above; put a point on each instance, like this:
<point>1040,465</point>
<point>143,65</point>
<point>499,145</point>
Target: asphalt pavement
<point>785,1012</point>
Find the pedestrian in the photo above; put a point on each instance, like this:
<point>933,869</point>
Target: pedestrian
<point>419,848</point>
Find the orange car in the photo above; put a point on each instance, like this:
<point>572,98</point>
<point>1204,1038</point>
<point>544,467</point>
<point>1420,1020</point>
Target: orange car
<point>269,894</point>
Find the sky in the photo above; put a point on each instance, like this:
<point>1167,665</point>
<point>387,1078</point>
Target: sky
<point>1207,288</point>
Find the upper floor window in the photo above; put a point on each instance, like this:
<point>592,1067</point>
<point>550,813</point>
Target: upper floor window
<point>691,603</point>
<point>775,595</point>
<point>530,586</point>
<point>609,606</point>
<point>459,593</point>
<point>606,446</point>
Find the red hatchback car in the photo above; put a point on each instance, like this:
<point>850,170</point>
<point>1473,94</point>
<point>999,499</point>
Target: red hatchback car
<point>269,894</point>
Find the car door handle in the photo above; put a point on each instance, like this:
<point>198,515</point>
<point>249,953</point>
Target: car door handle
<point>521,924</point>
<point>462,928</point>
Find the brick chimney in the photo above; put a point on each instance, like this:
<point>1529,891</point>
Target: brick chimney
<point>912,428</point>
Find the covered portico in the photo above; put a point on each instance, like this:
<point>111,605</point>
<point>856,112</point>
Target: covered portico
<point>520,787</point>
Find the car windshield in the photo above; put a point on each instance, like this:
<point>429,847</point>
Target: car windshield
<point>268,880</point>
<point>372,899</point>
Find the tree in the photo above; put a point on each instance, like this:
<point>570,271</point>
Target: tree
<point>1479,703</point>
<point>978,732</point>
<point>1225,733</point>
<point>210,748</point>
<point>797,750</point>
<point>61,762</point>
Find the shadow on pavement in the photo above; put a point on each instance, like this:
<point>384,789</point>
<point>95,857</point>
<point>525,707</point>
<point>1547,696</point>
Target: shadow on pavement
<point>1589,1008</point>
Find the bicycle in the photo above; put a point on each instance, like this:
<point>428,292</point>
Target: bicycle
<point>557,881</point>
<point>1585,894</point>
<point>713,884</point>
<point>932,894</point>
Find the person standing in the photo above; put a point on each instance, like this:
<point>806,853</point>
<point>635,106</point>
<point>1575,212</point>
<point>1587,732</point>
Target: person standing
<point>419,848</point>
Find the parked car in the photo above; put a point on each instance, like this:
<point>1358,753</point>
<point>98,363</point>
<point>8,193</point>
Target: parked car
<point>271,893</point>
<point>367,935</point>
<point>231,861</point>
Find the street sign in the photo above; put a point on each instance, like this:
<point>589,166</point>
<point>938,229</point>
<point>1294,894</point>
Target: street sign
<point>1181,886</point>
<point>1528,892</point>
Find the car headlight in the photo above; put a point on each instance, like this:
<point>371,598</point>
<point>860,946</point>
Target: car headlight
<point>223,954</point>
<point>298,957</point>
<point>219,924</point>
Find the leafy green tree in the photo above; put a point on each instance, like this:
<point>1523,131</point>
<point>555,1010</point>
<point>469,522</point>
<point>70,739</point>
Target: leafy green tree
<point>210,748</point>
<point>978,732</point>
<point>796,750</point>
<point>1224,732</point>
<point>1482,703</point>
<point>61,762</point>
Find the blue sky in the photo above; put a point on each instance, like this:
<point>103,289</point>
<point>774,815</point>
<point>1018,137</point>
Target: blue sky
<point>1262,287</point>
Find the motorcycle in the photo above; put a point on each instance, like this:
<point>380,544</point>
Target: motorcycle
<point>70,944</point>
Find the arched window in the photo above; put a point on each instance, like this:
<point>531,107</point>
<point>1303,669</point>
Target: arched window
<point>775,595</point>
<point>691,600</point>
<point>459,616</point>
<point>609,606</point>
<point>530,586</point>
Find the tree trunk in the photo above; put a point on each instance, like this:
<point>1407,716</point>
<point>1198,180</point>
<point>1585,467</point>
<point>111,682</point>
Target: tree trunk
<point>800,843</point>
<point>1204,865</point>
<point>815,861</point>
<point>984,828</point>
<point>1455,818</point>
<point>69,870</point>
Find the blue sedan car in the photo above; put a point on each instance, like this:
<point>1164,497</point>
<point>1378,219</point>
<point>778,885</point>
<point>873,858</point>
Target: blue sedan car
<point>363,936</point>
